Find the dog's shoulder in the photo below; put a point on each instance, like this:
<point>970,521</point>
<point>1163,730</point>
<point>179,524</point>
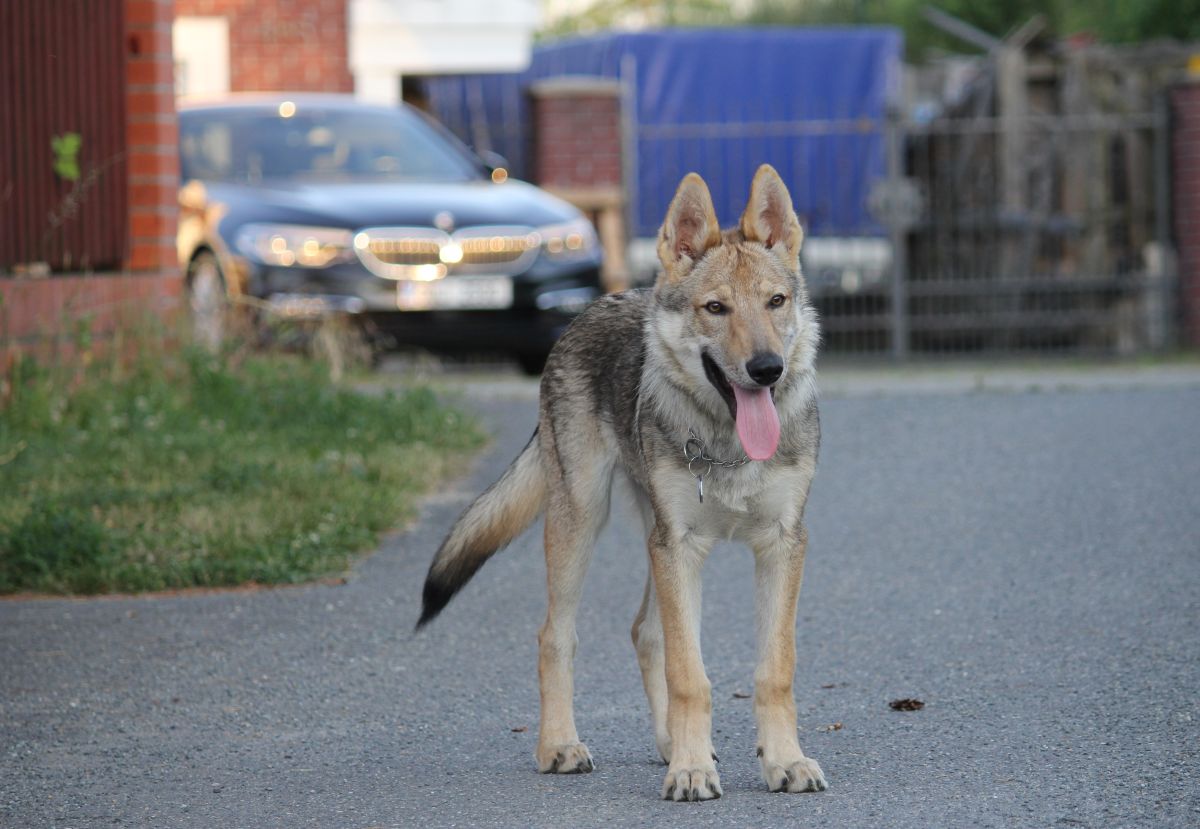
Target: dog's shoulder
<point>607,332</point>
<point>599,357</point>
<point>615,312</point>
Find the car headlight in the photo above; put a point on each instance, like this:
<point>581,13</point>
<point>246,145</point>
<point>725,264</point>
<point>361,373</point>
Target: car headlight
<point>569,240</point>
<point>295,245</point>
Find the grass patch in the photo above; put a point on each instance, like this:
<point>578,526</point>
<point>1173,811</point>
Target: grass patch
<point>182,469</point>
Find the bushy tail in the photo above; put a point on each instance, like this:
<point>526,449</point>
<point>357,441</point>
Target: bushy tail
<point>493,520</point>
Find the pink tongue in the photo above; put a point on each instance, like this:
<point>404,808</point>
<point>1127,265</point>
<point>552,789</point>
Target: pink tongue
<point>757,422</point>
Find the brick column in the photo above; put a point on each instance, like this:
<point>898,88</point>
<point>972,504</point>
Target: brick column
<point>577,156</point>
<point>152,136</point>
<point>577,133</point>
<point>1185,180</point>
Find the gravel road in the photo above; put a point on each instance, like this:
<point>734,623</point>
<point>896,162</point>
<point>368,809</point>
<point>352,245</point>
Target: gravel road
<point>1023,557</point>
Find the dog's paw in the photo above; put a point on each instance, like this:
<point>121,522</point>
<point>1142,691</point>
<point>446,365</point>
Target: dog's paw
<point>564,758</point>
<point>803,775</point>
<point>692,784</point>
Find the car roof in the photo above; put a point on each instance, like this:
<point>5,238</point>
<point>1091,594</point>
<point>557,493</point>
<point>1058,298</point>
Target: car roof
<point>272,100</point>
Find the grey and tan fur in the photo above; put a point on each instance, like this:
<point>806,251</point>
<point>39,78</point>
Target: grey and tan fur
<point>621,391</point>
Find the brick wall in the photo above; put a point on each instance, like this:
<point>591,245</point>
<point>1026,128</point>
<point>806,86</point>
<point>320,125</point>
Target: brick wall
<point>577,133</point>
<point>40,314</point>
<point>282,45</point>
<point>1185,141</point>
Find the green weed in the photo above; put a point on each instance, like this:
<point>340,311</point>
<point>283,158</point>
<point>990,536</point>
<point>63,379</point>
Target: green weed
<point>176,468</point>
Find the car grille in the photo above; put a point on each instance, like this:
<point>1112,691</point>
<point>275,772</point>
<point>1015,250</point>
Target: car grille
<point>405,251</point>
<point>425,253</point>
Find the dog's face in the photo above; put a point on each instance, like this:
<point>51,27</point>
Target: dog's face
<point>736,312</point>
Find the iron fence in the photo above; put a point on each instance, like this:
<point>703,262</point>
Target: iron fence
<point>1043,234</point>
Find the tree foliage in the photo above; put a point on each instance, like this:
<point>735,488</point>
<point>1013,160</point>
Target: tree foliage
<point>1109,21</point>
<point>638,14</point>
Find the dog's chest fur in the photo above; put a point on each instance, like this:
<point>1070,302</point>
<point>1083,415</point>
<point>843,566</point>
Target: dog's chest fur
<point>740,502</point>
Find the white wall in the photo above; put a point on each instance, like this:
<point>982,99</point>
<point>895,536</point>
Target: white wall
<point>201,46</point>
<point>391,38</point>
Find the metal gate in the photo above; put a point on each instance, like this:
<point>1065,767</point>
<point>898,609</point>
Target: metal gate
<point>62,135</point>
<point>1047,234</point>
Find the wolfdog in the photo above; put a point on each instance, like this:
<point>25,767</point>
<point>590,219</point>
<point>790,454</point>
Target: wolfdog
<point>701,394</point>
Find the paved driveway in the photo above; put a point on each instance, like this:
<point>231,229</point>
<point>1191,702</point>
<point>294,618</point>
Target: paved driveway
<point>1027,562</point>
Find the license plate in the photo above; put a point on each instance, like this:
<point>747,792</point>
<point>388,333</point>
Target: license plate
<point>455,293</point>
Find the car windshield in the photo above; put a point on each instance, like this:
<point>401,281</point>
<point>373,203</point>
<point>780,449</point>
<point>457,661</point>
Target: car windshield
<point>299,142</point>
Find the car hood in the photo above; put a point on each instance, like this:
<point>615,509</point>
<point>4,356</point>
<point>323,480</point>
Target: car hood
<point>372,204</point>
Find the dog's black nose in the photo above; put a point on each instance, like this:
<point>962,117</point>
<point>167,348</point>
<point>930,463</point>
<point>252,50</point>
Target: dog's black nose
<point>765,367</point>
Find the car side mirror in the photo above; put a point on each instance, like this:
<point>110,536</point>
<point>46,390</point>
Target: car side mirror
<point>493,160</point>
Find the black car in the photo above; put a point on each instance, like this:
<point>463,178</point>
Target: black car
<point>305,206</point>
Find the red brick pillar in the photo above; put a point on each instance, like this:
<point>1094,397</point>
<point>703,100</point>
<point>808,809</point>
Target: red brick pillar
<point>152,137</point>
<point>1185,158</point>
<point>577,156</point>
<point>577,133</point>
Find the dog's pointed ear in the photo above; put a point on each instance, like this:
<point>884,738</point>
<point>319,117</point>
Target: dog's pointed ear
<point>690,228</point>
<point>769,217</point>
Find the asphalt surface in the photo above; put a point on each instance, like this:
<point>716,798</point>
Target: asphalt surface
<point>1025,560</point>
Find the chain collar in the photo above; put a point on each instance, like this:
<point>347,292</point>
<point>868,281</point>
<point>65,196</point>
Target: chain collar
<point>696,456</point>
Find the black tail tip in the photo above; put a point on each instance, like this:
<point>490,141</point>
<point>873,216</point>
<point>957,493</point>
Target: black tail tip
<point>434,598</point>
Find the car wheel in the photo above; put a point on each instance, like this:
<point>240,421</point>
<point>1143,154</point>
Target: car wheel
<point>208,302</point>
<point>532,362</point>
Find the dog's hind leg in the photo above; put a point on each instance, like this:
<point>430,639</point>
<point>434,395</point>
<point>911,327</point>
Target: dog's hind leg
<point>579,497</point>
<point>778,571</point>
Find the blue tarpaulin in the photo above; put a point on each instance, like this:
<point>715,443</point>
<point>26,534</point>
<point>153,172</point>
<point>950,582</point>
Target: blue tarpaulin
<point>812,102</point>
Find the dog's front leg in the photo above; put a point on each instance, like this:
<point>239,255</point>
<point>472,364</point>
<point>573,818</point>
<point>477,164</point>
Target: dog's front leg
<point>778,570</point>
<point>676,563</point>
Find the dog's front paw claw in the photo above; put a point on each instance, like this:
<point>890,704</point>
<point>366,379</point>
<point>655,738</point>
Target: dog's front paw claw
<point>567,758</point>
<point>692,784</point>
<point>803,775</point>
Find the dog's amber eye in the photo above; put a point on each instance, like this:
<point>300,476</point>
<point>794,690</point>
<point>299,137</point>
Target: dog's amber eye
<point>715,307</point>
<point>778,300</point>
